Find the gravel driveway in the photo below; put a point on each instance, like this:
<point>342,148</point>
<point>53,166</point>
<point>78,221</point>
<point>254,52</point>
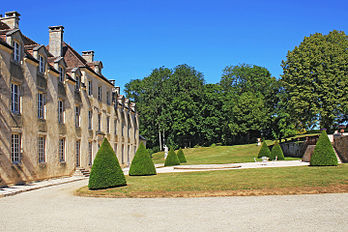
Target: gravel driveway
<point>56,209</point>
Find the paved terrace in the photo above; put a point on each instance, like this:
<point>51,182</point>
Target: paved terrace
<point>56,209</point>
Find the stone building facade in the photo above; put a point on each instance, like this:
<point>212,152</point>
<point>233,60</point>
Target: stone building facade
<point>56,108</point>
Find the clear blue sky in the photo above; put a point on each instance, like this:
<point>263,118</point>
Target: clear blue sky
<point>132,37</point>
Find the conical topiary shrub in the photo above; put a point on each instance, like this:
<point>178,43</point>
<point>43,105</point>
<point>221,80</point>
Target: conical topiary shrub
<point>181,156</point>
<point>172,159</point>
<point>324,154</point>
<point>264,151</point>
<point>142,164</point>
<point>277,152</point>
<point>106,171</point>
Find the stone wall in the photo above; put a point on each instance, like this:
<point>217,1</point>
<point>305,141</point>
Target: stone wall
<point>294,149</point>
<point>341,146</point>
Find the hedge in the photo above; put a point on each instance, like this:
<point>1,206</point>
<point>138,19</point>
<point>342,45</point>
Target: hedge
<point>172,159</point>
<point>324,154</point>
<point>277,152</point>
<point>264,151</point>
<point>181,156</point>
<point>106,171</point>
<point>142,164</point>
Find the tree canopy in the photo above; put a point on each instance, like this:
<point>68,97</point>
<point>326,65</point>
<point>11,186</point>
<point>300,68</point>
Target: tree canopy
<point>315,80</point>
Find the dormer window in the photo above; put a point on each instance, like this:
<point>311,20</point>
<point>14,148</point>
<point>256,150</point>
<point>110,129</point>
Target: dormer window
<point>41,64</point>
<point>16,52</point>
<point>61,74</point>
<point>78,82</point>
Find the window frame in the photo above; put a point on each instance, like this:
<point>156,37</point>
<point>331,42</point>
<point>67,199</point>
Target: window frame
<point>41,146</point>
<point>15,98</point>
<point>16,148</point>
<point>61,74</point>
<point>108,124</point>
<point>41,105</point>
<point>90,153</point>
<point>61,119</point>
<point>108,97</point>
<point>77,116</point>
<point>99,122</point>
<point>90,88</point>
<point>90,119</point>
<point>16,51</point>
<point>61,150</point>
<point>100,93</point>
<point>42,64</point>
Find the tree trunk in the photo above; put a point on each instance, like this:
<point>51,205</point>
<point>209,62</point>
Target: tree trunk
<point>160,139</point>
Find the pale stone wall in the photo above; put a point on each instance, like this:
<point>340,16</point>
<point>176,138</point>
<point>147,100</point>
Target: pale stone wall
<point>30,126</point>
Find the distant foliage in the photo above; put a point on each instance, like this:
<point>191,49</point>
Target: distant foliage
<point>264,151</point>
<point>181,156</point>
<point>323,154</point>
<point>172,159</point>
<point>106,171</point>
<point>142,164</point>
<point>277,152</point>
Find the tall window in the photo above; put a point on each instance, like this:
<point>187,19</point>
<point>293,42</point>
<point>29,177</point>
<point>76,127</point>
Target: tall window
<point>122,126</point>
<point>108,98</point>
<point>90,152</point>
<point>15,99</point>
<point>78,153</point>
<point>16,148</point>
<point>78,82</point>
<point>77,116</point>
<point>115,148</point>
<point>16,52</point>
<point>115,126</point>
<point>61,150</point>
<point>61,74</point>
<point>41,105</point>
<point>99,122</point>
<point>107,124</point>
<point>41,149</point>
<point>90,88</point>
<point>41,64</point>
<point>60,111</point>
<point>90,114</point>
<point>100,93</point>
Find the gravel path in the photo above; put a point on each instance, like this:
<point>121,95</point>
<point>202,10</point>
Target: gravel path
<point>56,209</point>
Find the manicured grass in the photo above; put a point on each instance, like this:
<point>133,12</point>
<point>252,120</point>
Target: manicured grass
<point>263,181</point>
<point>218,154</point>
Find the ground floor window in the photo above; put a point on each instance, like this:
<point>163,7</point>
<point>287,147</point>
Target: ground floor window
<point>90,152</point>
<point>61,151</point>
<point>122,154</point>
<point>78,153</point>
<point>16,148</point>
<point>41,149</point>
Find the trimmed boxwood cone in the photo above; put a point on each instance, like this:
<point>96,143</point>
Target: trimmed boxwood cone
<point>264,151</point>
<point>277,152</point>
<point>181,156</point>
<point>324,154</point>
<point>172,159</point>
<point>106,171</point>
<point>142,164</point>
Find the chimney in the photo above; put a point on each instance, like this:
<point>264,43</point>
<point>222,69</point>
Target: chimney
<point>11,19</point>
<point>117,90</point>
<point>56,40</point>
<point>88,56</point>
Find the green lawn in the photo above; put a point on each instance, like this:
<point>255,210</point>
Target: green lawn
<point>218,154</point>
<point>289,180</point>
